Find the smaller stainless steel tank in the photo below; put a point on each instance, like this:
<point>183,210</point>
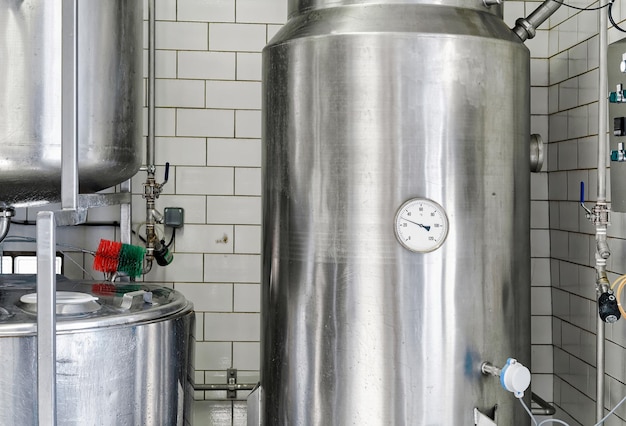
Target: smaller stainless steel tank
<point>109,99</point>
<point>120,360</point>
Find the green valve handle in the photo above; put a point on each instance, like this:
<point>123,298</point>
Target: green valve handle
<point>619,96</point>
<point>619,154</point>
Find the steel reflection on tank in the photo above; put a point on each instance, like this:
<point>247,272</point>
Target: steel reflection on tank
<point>120,361</point>
<point>109,96</point>
<point>387,123</point>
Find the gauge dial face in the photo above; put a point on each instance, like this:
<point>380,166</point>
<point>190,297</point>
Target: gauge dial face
<point>421,225</point>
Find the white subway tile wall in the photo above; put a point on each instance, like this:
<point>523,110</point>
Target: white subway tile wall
<point>208,126</point>
<point>568,359</point>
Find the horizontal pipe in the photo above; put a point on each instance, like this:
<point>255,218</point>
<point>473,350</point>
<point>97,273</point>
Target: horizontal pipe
<point>224,386</point>
<point>545,408</point>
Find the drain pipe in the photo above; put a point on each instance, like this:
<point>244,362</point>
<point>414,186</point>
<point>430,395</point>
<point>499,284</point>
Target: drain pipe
<point>601,211</point>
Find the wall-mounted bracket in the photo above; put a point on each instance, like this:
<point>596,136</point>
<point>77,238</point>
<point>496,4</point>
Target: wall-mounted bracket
<point>231,378</point>
<point>231,386</point>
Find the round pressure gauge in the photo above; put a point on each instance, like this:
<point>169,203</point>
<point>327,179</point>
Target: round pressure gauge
<point>421,225</point>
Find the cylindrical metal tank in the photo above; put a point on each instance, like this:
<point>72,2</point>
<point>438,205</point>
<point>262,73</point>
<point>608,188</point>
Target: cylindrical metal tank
<point>120,360</point>
<point>368,105</point>
<point>109,96</point>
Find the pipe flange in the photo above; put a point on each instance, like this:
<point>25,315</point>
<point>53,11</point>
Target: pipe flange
<point>523,24</point>
<point>536,153</point>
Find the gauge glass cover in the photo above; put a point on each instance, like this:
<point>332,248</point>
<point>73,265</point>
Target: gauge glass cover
<point>421,225</point>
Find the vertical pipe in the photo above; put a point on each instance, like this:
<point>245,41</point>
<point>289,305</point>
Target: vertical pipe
<point>600,369</point>
<point>150,185</point>
<point>601,202</point>
<point>602,107</point>
<point>69,103</point>
<point>126,216</point>
<point>150,158</point>
<point>46,319</point>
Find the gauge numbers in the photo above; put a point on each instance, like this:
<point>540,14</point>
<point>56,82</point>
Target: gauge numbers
<point>421,225</point>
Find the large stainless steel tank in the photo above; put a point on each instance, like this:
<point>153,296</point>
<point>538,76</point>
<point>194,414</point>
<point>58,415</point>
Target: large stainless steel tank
<point>369,104</point>
<point>109,96</point>
<point>120,361</point>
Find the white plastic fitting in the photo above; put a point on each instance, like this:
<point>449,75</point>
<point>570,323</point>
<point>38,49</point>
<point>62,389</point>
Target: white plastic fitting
<point>514,377</point>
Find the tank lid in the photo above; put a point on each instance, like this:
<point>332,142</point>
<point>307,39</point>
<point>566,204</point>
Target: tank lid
<point>67,303</point>
<point>301,6</point>
<point>83,305</point>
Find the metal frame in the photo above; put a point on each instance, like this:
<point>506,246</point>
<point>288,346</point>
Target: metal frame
<point>73,212</point>
<point>545,408</point>
<point>46,319</point>
<point>231,386</point>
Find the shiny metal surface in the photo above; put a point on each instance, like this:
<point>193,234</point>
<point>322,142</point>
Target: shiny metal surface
<point>301,6</point>
<point>108,100</point>
<point>114,366</point>
<point>537,153</point>
<point>365,107</point>
<point>69,105</point>
<point>46,320</point>
<point>526,28</point>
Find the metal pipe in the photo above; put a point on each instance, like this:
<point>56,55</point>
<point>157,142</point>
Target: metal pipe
<point>602,106</point>
<point>150,157</point>
<point>46,226</point>
<point>603,252</point>
<point>126,215</point>
<point>489,369</point>
<point>150,187</point>
<point>46,319</point>
<point>5,221</point>
<point>602,247</point>
<point>525,28</point>
<point>151,237</point>
<point>599,369</point>
<point>69,105</point>
<point>545,408</point>
<point>224,387</point>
